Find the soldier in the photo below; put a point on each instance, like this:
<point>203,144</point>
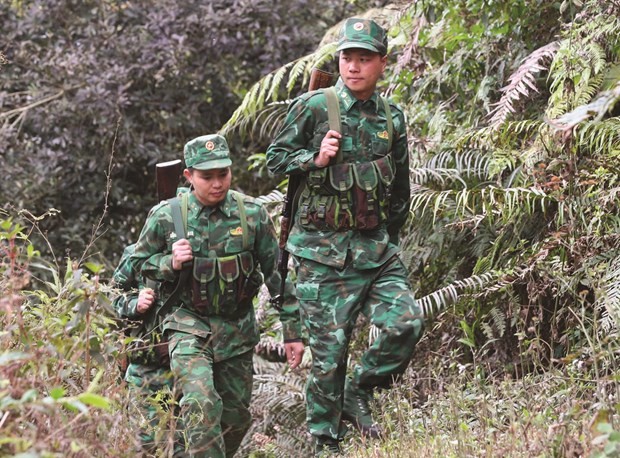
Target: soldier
<point>211,330</point>
<point>353,201</point>
<point>147,373</point>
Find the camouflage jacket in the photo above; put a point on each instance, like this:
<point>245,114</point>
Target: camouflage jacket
<point>128,280</point>
<point>125,279</point>
<point>364,139</point>
<point>215,232</point>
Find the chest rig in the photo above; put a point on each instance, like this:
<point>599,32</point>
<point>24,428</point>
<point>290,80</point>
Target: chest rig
<point>221,285</point>
<point>346,196</point>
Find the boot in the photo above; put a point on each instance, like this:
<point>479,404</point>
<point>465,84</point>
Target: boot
<point>326,446</point>
<point>356,409</point>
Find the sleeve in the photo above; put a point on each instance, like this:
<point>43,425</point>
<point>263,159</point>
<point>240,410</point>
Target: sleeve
<point>267,251</point>
<point>401,189</point>
<point>152,256</point>
<point>125,305</point>
<point>125,279</point>
<point>292,150</point>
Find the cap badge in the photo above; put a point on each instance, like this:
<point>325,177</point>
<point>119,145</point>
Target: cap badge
<point>358,26</point>
<point>237,231</point>
<point>210,145</point>
<point>383,135</point>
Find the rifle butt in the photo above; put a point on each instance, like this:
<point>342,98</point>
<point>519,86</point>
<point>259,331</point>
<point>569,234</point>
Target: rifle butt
<point>168,176</point>
<point>320,79</point>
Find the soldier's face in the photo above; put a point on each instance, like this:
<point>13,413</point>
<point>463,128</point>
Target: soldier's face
<point>360,70</point>
<point>210,186</point>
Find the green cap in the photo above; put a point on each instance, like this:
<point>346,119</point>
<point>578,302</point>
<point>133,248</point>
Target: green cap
<point>364,34</point>
<point>207,152</point>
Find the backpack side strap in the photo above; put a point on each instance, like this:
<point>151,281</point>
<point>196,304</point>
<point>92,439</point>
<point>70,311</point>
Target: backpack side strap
<point>333,115</point>
<point>178,208</point>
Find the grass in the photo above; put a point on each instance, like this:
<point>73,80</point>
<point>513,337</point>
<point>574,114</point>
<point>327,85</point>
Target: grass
<point>566,411</point>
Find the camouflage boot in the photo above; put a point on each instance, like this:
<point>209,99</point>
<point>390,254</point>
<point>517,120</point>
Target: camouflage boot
<point>356,409</point>
<point>326,447</point>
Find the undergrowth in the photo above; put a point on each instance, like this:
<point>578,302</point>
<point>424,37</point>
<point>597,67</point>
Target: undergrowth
<point>61,394</point>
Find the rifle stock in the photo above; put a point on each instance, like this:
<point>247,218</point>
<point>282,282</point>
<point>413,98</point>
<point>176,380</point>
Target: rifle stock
<point>318,79</point>
<point>168,175</point>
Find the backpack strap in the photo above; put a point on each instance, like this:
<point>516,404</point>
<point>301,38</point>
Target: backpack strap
<point>178,208</point>
<point>333,109</point>
<point>333,115</point>
<point>244,220</point>
<point>390,122</point>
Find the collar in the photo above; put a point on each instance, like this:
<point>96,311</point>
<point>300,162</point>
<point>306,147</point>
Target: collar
<point>225,206</point>
<point>348,99</point>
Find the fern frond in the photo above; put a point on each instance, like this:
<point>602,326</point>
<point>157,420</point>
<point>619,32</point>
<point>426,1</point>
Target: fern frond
<point>503,136</point>
<point>492,201</point>
<point>471,163</point>
<point>426,175</point>
<point>576,76</point>
<point>278,405</point>
<point>602,139</point>
<point>497,323</point>
<point>595,110</point>
<point>439,300</point>
<point>590,90</point>
<point>609,302</point>
<point>278,77</point>
<point>274,196</point>
<point>268,87</point>
<point>521,83</point>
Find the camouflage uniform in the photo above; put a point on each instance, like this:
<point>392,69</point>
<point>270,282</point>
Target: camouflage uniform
<point>346,266</point>
<point>145,375</point>
<point>211,339</point>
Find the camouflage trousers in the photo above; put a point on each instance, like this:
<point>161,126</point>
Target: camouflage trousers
<point>215,396</point>
<point>331,300</point>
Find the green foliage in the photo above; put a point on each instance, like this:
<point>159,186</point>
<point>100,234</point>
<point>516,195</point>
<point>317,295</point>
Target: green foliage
<point>609,438</point>
<point>89,83</point>
<point>512,245</point>
<point>506,188</point>
<point>58,389</point>
<point>503,196</point>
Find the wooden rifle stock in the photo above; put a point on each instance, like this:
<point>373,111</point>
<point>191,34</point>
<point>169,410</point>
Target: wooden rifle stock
<point>168,176</point>
<point>318,79</point>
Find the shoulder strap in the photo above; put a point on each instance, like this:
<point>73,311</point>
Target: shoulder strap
<point>244,220</point>
<point>333,115</point>
<point>333,109</point>
<point>390,122</point>
<point>178,208</point>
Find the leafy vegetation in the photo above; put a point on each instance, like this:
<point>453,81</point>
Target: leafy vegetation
<point>88,83</point>
<point>513,243</point>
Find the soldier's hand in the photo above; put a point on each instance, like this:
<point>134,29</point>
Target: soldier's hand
<point>146,299</point>
<point>329,148</point>
<point>181,252</point>
<point>294,353</point>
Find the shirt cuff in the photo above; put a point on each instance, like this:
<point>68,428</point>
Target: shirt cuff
<point>299,339</point>
<point>291,331</point>
<point>306,161</point>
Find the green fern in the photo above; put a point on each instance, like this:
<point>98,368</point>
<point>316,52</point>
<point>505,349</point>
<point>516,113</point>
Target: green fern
<point>275,87</point>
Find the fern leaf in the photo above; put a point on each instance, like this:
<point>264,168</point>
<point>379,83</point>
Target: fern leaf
<point>519,82</point>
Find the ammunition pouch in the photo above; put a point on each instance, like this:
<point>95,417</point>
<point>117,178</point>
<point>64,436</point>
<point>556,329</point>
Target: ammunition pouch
<point>224,286</point>
<point>347,196</point>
